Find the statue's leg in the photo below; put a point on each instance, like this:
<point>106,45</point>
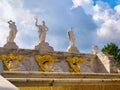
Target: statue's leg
<point>42,38</point>
<point>12,37</point>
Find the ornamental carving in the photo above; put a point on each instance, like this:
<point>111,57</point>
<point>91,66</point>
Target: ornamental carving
<point>45,62</point>
<point>74,63</point>
<point>11,61</point>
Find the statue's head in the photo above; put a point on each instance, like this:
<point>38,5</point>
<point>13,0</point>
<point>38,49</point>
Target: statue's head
<point>43,22</point>
<point>13,22</point>
<point>9,21</point>
<point>70,29</point>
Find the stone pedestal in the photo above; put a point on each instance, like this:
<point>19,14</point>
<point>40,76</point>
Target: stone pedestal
<point>11,45</point>
<point>44,47</point>
<point>72,49</point>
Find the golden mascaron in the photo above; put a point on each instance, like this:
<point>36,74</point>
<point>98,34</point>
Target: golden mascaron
<point>45,62</point>
<point>10,58</point>
<point>74,63</point>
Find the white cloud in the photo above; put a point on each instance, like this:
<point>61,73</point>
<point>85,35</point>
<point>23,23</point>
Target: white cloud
<point>81,2</point>
<point>106,18</point>
<point>13,10</point>
<point>87,5</point>
<point>108,21</point>
<point>109,30</point>
<point>117,8</point>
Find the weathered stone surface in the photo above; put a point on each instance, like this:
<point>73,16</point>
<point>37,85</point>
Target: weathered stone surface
<point>36,74</point>
<point>1,66</point>
<point>11,45</point>
<point>91,63</point>
<point>85,68</point>
<point>28,64</point>
<point>72,49</point>
<point>61,66</point>
<point>23,79</point>
<point>44,47</point>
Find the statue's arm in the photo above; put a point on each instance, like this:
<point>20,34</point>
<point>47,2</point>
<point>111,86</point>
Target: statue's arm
<point>9,22</point>
<point>68,34</point>
<point>36,22</point>
<point>47,28</point>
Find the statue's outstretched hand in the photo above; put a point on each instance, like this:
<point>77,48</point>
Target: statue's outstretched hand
<point>36,18</point>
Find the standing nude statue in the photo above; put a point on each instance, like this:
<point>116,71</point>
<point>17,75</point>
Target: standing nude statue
<point>42,29</point>
<point>71,37</point>
<point>13,31</point>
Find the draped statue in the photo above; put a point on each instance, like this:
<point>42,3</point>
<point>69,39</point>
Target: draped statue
<point>71,37</point>
<point>12,32</point>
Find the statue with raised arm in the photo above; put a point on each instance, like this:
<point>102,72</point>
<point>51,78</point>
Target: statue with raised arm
<point>42,29</point>
<point>71,37</point>
<point>13,31</point>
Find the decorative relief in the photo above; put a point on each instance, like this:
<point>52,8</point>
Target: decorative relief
<point>45,62</point>
<point>11,61</point>
<point>74,63</point>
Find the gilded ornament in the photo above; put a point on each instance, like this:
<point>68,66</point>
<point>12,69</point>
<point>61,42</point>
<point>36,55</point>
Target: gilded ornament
<point>74,63</point>
<point>45,62</point>
<point>11,61</point>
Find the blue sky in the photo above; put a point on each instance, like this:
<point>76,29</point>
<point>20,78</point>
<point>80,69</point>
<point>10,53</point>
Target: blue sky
<point>94,22</point>
<point>112,3</point>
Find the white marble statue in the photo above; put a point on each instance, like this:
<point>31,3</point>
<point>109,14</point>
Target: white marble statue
<point>13,31</point>
<point>42,29</point>
<point>71,37</point>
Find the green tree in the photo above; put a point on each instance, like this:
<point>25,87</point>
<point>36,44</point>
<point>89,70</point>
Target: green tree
<point>113,50</point>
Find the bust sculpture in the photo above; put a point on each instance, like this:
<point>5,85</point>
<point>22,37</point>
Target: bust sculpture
<point>95,49</point>
<point>13,31</point>
<point>42,29</point>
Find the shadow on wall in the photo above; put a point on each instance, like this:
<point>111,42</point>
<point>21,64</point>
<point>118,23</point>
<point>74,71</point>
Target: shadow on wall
<point>99,67</point>
<point>1,66</point>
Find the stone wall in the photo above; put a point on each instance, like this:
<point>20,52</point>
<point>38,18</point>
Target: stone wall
<point>91,63</point>
<point>1,66</point>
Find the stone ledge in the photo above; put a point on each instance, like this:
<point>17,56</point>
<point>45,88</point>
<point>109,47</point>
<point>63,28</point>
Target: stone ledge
<point>81,87</point>
<point>34,52</point>
<point>35,74</point>
<point>61,82</point>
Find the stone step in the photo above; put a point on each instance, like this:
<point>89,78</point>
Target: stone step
<point>26,82</point>
<point>26,74</point>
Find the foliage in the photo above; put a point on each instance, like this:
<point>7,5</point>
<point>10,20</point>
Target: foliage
<point>113,50</point>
